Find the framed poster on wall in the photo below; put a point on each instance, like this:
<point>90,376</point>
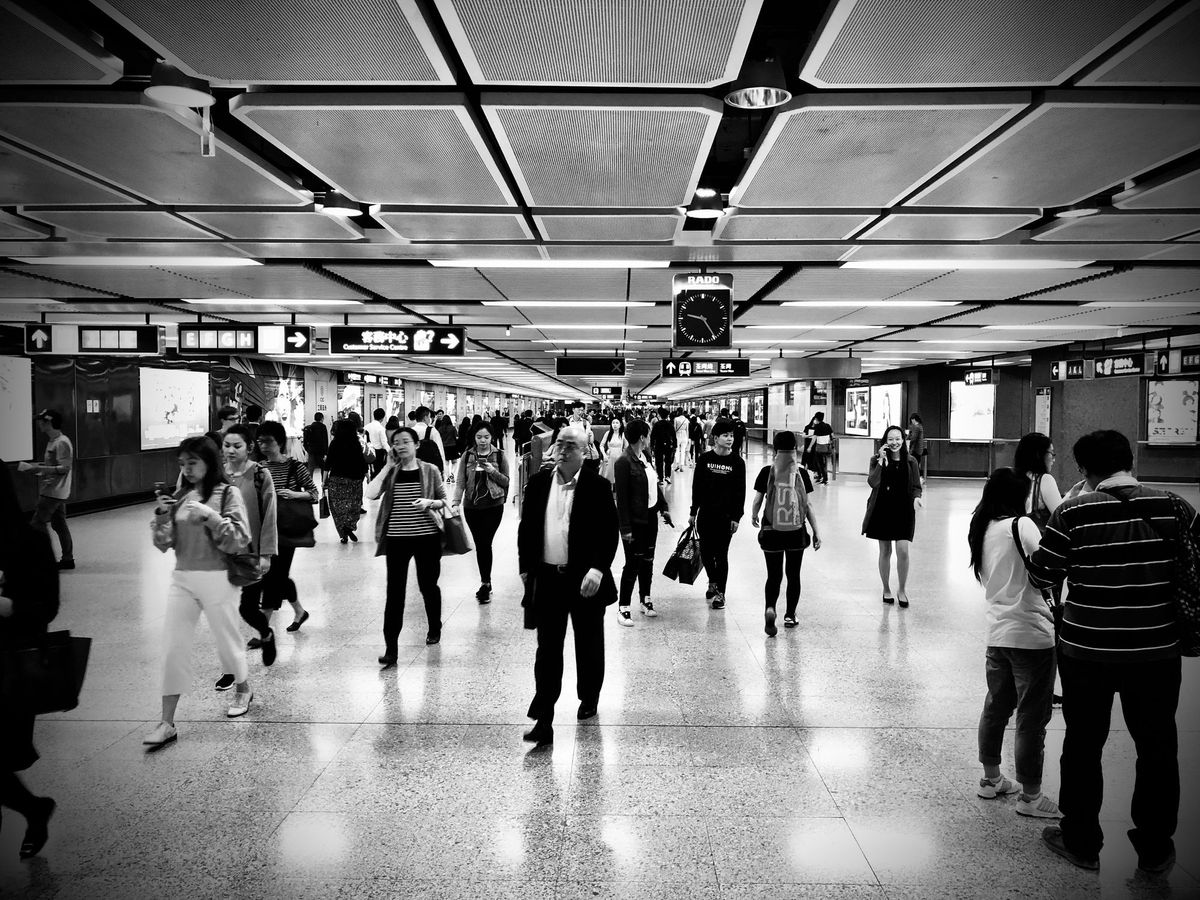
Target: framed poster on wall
<point>16,408</point>
<point>1171,411</point>
<point>174,405</point>
<point>887,407</point>
<point>285,397</point>
<point>972,411</point>
<point>858,410</point>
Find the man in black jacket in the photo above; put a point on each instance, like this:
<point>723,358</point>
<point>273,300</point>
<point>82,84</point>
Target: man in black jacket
<point>565,544</point>
<point>718,502</point>
<point>662,445</point>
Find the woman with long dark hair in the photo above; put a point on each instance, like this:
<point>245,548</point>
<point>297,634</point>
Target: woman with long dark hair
<point>1020,642</point>
<point>1033,458</point>
<point>28,603</point>
<point>891,517</point>
<point>204,521</point>
<point>613,446</point>
<point>481,486</point>
<point>346,468</point>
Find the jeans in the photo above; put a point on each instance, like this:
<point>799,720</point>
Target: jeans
<point>822,462</point>
<point>779,562</point>
<point>663,455</point>
<point>557,598</point>
<point>484,524</point>
<point>715,533</point>
<point>1022,680</point>
<point>52,513</point>
<point>639,560</point>
<point>1149,694</point>
<point>426,549</point>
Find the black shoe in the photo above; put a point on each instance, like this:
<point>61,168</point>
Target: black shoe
<point>484,594</point>
<point>344,540</point>
<point>434,637</point>
<point>37,833</point>
<point>903,602</point>
<point>540,735</point>
<point>63,565</point>
<point>224,683</point>
<point>268,648</point>
<point>254,643</point>
<point>586,711</point>
<point>388,659</point>
<point>1052,836</point>
<point>1157,868</point>
<point>295,626</point>
<point>771,629</point>
<point>353,537</point>
<point>888,600</point>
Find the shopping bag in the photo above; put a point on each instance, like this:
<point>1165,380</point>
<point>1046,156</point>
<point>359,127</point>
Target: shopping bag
<point>324,507</point>
<point>685,563</point>
<point>47,676</point>
<point>455,539</point>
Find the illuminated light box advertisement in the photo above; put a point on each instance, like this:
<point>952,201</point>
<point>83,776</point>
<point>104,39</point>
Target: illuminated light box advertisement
<point>1171,416</point>
<point>858,410</point>
<point>285,403</point>
<point>350,399</point>
<point>16,408</point>
<point>174,406</point>
<point>972,411</point>
<point>887,407</point>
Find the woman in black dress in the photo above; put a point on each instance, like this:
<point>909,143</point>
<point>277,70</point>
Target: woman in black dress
<point>345,468</point>
<point>891,516</point>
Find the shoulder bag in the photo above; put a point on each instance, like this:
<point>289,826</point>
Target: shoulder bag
<point>294,519</point>
<point>242,568</point>
<point>46,677</point>
<point>1053,600</point>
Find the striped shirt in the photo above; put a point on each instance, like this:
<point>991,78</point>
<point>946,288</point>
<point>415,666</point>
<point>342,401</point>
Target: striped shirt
<point>1118,570</point>
<point>405,519</point>
<point>280,472</point>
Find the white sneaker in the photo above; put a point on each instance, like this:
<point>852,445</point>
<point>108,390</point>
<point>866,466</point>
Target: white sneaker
<point>623,616</point>
<point>990,790</point>
<point>240,705</point>
<point>648,608</point>
<point>1039,807</point>
<point>161,735</point>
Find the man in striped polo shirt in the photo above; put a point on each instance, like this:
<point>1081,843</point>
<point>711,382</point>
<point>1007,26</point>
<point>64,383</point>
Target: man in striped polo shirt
<point>1114,547</point>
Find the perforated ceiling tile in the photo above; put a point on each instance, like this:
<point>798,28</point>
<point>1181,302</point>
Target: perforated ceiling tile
<point>25,179</point>
<point>558,284</point>
<point>1004,43</point>
<point>847,284</point>
<point>280,42</point>
<point>278,226</point>
<point>1143,283</point>
<point>1064,152</point>
<point>1178,192</point>
<point>654,285</point>
<point>123,224</point>
<point>604,150</point>
<point>659,43</point>
<point>1188,251</point>
<point>146,150</point>
<point>978,254</point>
<point>434,226</point>
<point>774,314</point>
<point>272,282</point>
<point>22,281</point>
<point>1120,227</point>
<point>946,226</point>
<point>750,227</point>
<point>862,151</point>
<point>972,285</point>
<point>585,228</point>
<point>36,47</point>
<point>20,229</point>
<point>419,282</point>
<point>1164,55</point>
<point>1026,312</point>
<point>383,148</point>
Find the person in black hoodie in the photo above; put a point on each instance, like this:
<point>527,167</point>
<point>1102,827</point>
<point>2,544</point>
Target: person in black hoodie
<point>662,443</point>
<point>28,603</point>
<point>634,486</point>
<point>718,502</point>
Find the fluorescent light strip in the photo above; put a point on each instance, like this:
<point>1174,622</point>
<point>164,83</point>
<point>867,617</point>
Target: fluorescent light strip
<point>216,262</point>
<point>855,304</point>
<point>796,327</point>
<point>945,265</point>
<point>570,304</point>
<point>1064,327</point>
<point>550,263</point>
<point>585,341</point>
<point>973,342</point>
<point>783,341</point>
<point>243,301</point>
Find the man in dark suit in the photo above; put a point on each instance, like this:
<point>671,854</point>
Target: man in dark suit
<point>565,544</point>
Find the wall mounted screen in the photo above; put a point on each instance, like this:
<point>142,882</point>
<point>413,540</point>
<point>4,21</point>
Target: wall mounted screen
<point>16,408</point>
<point>887,407</point>
<point>1171,416</point>
<point>972,411</point>
<point>858,410</point>
<point>174,405</point>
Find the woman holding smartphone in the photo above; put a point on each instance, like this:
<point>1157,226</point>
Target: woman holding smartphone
<point>481,486</point>
<point>204,521</point>
<point>891,517</point>
<point>407,528</point>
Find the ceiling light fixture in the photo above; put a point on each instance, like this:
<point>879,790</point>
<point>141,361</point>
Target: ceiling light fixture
<point>854,304</point>
<point>706,204</point>
<point>550,264</point>
<point>568,304</point>
<point>169,85</point>
<point>585,341</point>
<point>159,261</point>
<point>795,327</point>
<point>946,265</point>
<point>1078,211</point>
<point>761,85</point>
<point>244,301</point>
<point>336,204</point>
<point>583,327</point>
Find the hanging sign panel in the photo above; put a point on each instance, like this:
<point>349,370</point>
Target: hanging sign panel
<point>206,340</point>
<point>424,340</point>
<point>589,365</point>
<point>1121,364</point>
<point>705,368</point>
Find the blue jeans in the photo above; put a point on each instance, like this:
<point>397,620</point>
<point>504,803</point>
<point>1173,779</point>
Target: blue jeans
<point>1022,680</point>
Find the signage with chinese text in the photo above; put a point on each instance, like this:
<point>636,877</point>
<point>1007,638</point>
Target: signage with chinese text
<point>978,376</point>
<point>364,378</point>
<point>1122,364</point>
<point>421,340</point>
<point>705,368</point>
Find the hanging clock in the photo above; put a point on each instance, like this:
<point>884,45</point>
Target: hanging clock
<point>702,311</point>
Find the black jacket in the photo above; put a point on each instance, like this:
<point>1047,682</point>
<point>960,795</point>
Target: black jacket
<point>629,485</point>
<point>662,434</point>
<point>592,535</point>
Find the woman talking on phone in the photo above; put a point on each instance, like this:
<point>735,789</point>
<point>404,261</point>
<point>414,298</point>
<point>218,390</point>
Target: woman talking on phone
<point>407,529</point>
<point>891,515</point>
<point>481,486</point>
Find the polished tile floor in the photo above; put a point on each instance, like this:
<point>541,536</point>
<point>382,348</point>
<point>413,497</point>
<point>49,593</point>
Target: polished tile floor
<point>836,760</point>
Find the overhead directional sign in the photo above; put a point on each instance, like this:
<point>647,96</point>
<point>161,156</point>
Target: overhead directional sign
<point>95,340</point>
<point>39,339</point>
<point>1121,364</point>
<point>590,365</point>
<point>1066,370</point>
<point>606,392</point>
<point>297,339</point>
<point>422,340</point>
<point>977,376</point>
<point>705,368</point>
<point>206,340</point>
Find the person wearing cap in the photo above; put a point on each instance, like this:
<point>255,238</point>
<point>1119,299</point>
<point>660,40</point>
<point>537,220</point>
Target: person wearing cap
<point>54,483</point>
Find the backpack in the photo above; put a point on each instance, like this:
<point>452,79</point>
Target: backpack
<point>427,450</point>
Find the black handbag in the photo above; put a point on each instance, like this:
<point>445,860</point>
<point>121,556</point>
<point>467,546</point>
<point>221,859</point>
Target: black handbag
<point>685,564</point>
<point>323,507</point>
<point>294,519</point>
<point>47,677</point>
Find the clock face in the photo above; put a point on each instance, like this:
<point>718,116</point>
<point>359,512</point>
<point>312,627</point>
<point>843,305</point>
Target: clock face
<point>702,319</point>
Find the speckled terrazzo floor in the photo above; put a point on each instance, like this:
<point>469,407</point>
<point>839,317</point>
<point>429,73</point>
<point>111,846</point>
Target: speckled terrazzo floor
<point>833,761</point>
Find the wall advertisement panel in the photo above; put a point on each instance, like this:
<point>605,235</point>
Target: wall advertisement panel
<point>858,410</point>
<point>1171,416</point>
<point>972,411</point>
<point>16,408</point>
<point>887,407</point>
<point>174,405</point>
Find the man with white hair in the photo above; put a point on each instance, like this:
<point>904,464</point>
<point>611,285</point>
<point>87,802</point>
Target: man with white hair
<point>565,546</point>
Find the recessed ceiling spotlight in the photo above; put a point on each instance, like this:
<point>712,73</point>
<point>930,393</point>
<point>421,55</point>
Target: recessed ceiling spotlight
<point>1078,211</point>
<point>336,204</point>
<point>761,85</point>
<point>169,85</point>
<point>707,204</point>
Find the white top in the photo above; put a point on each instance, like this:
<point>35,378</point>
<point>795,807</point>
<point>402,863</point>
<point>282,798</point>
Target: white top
<point>651,483</point>
<point>376,434</point>
<point>1017,615</point>
<point>681,428</point>
<point>1050,493</point>
<point>558,520</point>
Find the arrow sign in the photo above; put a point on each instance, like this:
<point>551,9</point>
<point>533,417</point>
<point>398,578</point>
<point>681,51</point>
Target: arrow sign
<point>670,368</point>
<point>40,339</point>
<point>297,340</point>
<point>450,341</point>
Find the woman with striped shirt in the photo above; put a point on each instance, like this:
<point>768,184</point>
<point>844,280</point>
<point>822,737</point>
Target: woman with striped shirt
<point>406,529</point>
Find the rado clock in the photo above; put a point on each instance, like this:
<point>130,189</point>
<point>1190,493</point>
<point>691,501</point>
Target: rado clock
<point>702,311</point>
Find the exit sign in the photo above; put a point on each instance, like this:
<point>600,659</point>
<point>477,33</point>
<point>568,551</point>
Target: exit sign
<point>978,376</point>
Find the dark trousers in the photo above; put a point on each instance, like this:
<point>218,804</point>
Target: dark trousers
<point>639,560</point>
<point>821,460</point>
<point>252,615</point>
<point>275,587</point>
<point>557,598</point>
<point>778,563</point>
<point>715,533</point>
<point>52,513</point>
<point>427,551</point>
<point>1149,694</point>
<point>378,464</point>
<point>1020,680</point>
<point>664,458</point>
<point>483,524</point>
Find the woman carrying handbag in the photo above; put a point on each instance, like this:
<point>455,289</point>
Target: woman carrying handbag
<point>345,469</point>
<point>891,517</point>
<point>638,498</point>
<point>295,496</point>
<point>481,486</point>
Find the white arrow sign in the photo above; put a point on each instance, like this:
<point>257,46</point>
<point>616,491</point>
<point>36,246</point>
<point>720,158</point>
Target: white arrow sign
<point>671,368</point>
<point>450,341</point>
<point>40,337</point>
<point>297,340</point>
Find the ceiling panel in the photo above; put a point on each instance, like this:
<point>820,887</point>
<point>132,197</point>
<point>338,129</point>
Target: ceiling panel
<point>824,150</point>
<point>1174,192</point>
<point>457,226</point>
<point>270,282</point>
<point>38,48</point>
<point>25,178</point>
<point>557,284</point>
<point>651,43</point>
<point>1019,313</point>
<point>1004,43</point>
<point>21,229</point>
<point>1067,151</point>
<point>1120,227</point>
<point>423,149</point>
<point>654,285</point>
<point>1137,284</point>
<point>15,282</point>
<point>419,282</point>
<point>1187,251</point>
<point>947,226</point>
<point>985,285</point>
<point>847,284</point>
<point>276,42</point>
<point>1034,253</point>
<point>278,225</point>
<point>606,150</point>
<point>610,228</point>
<point>750,227</point>
<point>147,150</point>
<point>773,314</point>
<point>123,224</point>
<point>1165,55</point>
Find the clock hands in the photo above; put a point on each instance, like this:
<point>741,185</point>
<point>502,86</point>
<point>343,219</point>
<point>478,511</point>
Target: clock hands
<point>703,319</point>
